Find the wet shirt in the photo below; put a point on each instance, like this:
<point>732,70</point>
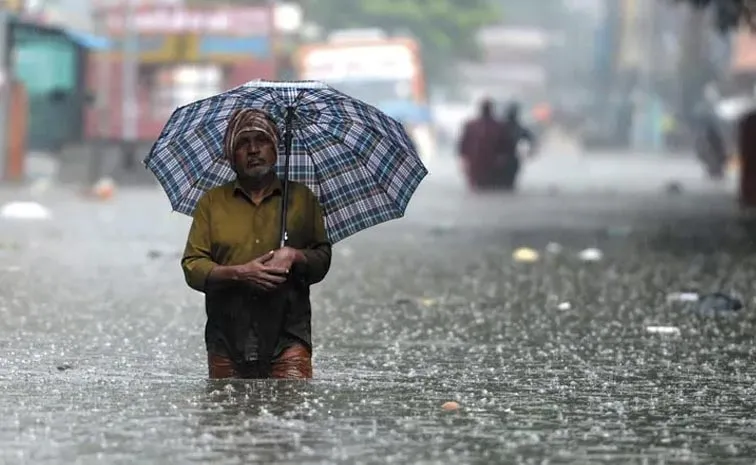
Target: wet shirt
<point>244,324</point>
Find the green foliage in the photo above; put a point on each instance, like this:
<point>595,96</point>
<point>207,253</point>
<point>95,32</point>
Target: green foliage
<point>729,13</point>
<point>445,28</point>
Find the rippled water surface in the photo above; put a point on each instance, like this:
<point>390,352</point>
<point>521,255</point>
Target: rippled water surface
<point>103,362</point>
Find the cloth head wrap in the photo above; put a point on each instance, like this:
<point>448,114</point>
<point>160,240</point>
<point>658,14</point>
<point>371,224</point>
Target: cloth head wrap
<point>245,121</point>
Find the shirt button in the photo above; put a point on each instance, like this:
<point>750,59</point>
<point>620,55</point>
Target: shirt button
<point>257,241</point>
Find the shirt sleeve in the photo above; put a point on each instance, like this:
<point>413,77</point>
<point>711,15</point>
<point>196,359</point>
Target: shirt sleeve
<point>196,261</point>
<point>318,254</point>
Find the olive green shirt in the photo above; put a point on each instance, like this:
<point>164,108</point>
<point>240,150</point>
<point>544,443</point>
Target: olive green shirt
<point>229,228</point>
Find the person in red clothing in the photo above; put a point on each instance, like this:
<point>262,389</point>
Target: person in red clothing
<point>483,149</point>
<point>747,146</point>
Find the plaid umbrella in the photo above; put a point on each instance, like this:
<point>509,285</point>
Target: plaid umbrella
<point>359,162</point>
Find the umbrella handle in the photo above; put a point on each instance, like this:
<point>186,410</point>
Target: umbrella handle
<point>288,138</point>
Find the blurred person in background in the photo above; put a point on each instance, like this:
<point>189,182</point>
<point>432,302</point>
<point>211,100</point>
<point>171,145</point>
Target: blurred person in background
<point>747,149</point>
<point>483,149</point>
<point>517,134</point>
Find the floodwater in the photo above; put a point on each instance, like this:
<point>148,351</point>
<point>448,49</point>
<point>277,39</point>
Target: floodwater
<point>550,362</point>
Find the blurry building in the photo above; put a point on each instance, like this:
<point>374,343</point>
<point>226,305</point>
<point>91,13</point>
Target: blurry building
<point>184,54</point>
<point>513,64</point>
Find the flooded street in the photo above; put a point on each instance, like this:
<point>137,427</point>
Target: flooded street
<point>550,362</point>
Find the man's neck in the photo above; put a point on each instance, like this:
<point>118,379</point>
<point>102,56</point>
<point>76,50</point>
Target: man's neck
<point>256,188</point>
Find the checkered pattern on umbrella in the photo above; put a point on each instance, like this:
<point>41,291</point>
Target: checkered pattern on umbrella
<point>358,161</point>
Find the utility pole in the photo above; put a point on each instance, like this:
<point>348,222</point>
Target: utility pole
<point>102,102</point>
<point>130,82</point>
<point>5,89</point>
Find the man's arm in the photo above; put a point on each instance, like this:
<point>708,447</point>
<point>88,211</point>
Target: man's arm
<point>200,271</point>
<point>317,257</point>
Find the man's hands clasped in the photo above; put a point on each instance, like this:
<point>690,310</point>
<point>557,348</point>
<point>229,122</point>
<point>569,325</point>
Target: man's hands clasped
<point>271,270</point>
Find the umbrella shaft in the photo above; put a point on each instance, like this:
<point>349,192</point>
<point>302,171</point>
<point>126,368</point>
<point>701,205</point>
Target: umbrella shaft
<point>288,136</point>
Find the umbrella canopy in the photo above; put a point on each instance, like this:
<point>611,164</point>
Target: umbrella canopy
<point>359,162</point>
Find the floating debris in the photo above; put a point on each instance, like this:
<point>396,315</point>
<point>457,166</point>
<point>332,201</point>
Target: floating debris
<point>591,255</point>
<point>719,302</point>
<point>450,406</point>
<point>25,211</point>
<point>525,255</point>
<point>672,330</point>
<point>104,189</point>
<point>683,297</point>
<point>564,306</point>
<point>64,367</point>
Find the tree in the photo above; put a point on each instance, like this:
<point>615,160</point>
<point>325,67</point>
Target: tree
<point>729,13</point>
<point>446,29</point>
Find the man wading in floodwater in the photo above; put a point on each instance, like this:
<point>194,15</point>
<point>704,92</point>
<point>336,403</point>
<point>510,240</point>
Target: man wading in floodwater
<point>257,296</point>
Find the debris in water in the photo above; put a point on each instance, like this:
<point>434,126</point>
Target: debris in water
<point>64,367</point>
<point>525,255</point>
<point>104,189</point>
<point>564,306</point>
<point>683,297</point>
<point>427,302</point>
<point>450,406</point>
<point>25,211</point>
<point>719,302</point>
<point>663,330</point>
<point>591,255</point>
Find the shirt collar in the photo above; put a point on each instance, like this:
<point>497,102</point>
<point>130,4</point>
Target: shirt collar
<point>276,187</point>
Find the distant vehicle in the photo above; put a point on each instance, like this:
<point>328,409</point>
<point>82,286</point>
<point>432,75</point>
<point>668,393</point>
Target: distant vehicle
<point>383,71</point>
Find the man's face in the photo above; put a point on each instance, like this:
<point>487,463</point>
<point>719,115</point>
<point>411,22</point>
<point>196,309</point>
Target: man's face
<point>254,156</point>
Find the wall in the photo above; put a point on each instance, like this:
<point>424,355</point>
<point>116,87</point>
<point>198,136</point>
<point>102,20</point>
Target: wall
<point>150,125</point>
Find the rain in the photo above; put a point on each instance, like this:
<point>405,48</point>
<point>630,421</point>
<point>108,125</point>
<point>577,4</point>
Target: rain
<point>600,312</point>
